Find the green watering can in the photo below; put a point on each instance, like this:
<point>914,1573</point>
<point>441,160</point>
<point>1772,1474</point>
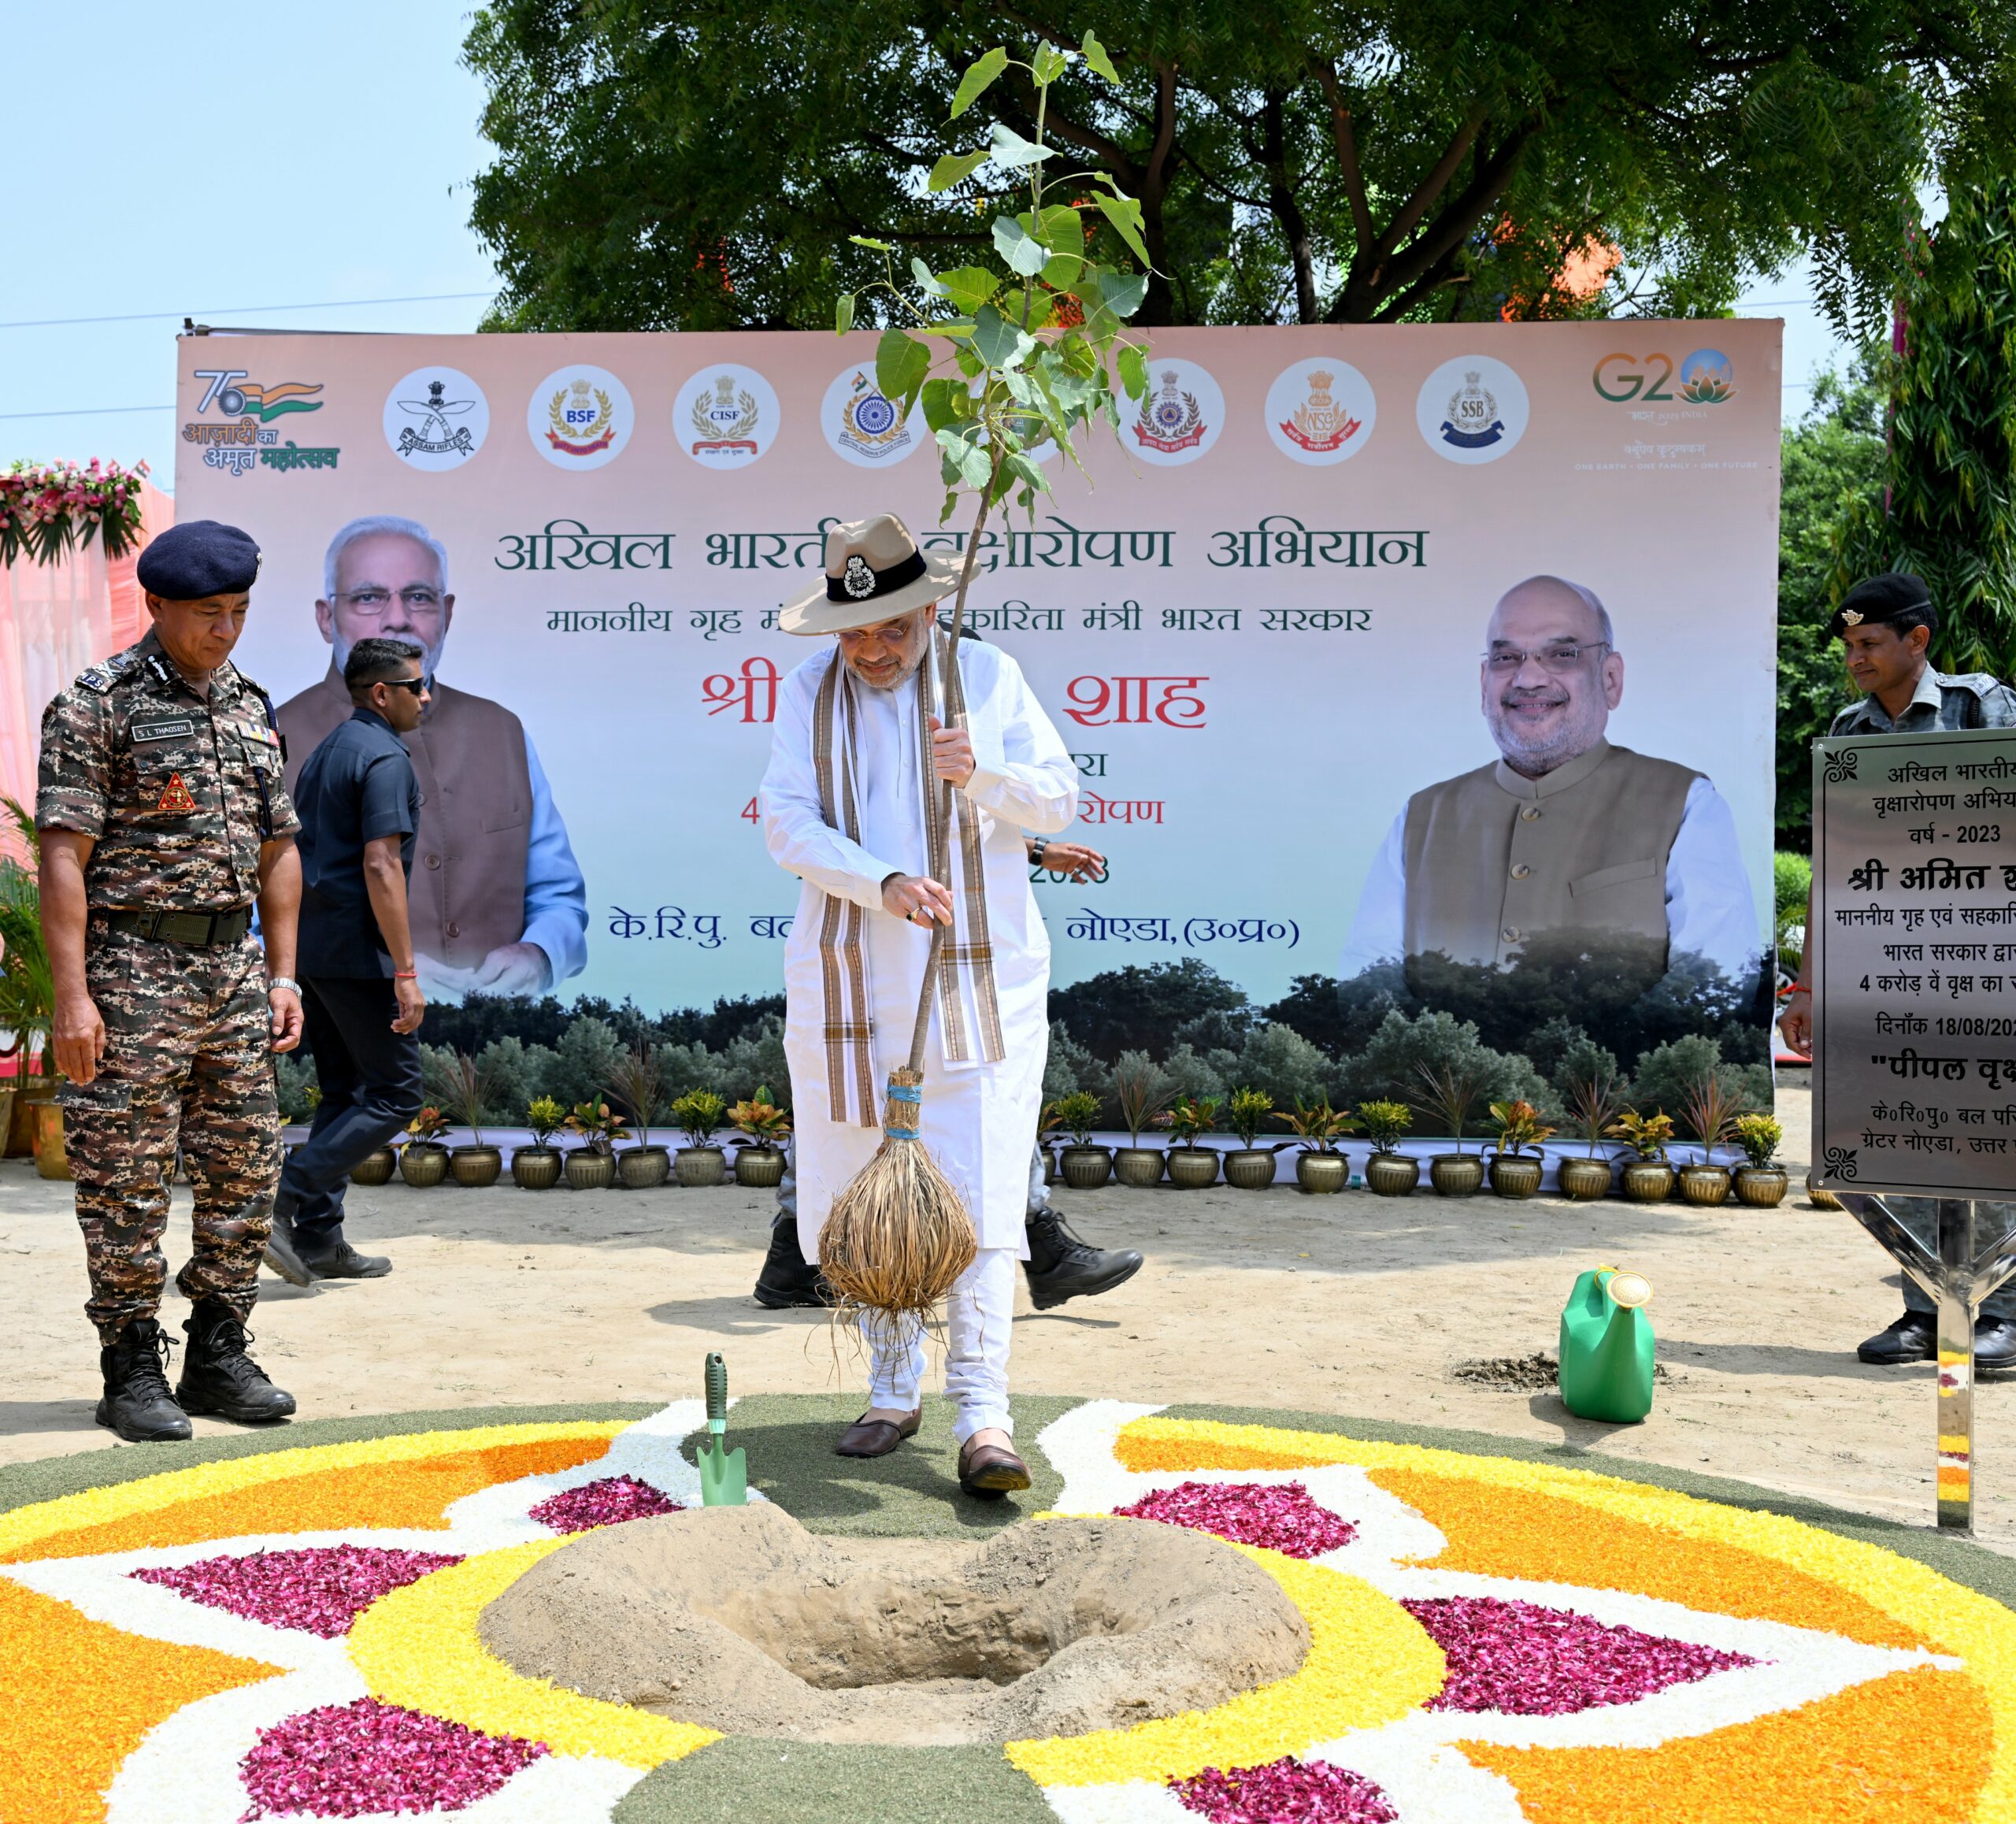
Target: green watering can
<point>1607,1347</point>
<point>724,1473</point>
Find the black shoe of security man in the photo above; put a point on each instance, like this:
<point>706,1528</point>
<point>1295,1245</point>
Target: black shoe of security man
<point>1914,1337</point>
<point>1994,1343</point>
<point>788,1281</point>
<point>328,1255</point>
<point>1061,1266</point>
<point>218,1375</point>
<point>137,1404</point>
<point>282,1252</point>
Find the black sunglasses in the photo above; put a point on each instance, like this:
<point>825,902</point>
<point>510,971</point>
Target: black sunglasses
<point>415,684</point>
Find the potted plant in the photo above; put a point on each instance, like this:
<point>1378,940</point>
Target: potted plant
<point>1389,1173</point>
<point>1320,1168</point>
<point>1762,1182</point>
<point>1191,1166</point>
<point>375,1168</point>
<point>1593,1101</point>
<point>27,1006</point>
<point>591,1165</point>
<point>637,1087</point>
<point>1649,1177</point>
<point>1519,1128</point>
<point>1250,1166</point>
<point>462,1088</point>
<point>537,1167</point>
<point>1710,1110</point>
<point>424,1160</point>
<point>760,1164</point>
<point>1450,1092</point>
<point>1143,1092</point>
<point>1084,1166</point>
<point>700,1162</point>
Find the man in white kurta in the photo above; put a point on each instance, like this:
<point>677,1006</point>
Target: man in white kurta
<point>1015,774</point>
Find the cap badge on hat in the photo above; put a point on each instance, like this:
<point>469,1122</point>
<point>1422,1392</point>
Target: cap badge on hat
<point>859,579</point>
<point>1851,616</point>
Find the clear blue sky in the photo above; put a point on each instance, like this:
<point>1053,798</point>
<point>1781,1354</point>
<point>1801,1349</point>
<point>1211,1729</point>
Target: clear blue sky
<point>227,154</point>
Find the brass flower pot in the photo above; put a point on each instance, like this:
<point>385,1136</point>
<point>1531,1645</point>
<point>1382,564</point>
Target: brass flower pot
<point>422,1163</point>
<point>1391,1174</point>
<point>1249,1168</point>
<point>50,1159</point>
<point>1707,1185</point>
<point>1051,1174</point>
<point>589,1170</point>
<point>1192,1167</point>
<point>1456,1174</point>
<point>697,1167</point>
<point>1818,1199</point>
<point>536,1168</point>
<point>375,1168</point>
<point>644,1168</point>
<point>1322,1174</point>
<point>478,1167</point>
<point>1515,1175</point>
<point>1585,1179</point>
<point>1648,1181</point>
<point>1762,1186</point>
<point>20,1130</point>
<point>1137,1167</point>
<point>760,1168</point>
<point>1086,1168</point>
<point>6,1112</point>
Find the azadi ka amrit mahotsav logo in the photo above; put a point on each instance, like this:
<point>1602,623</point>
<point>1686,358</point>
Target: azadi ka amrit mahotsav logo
<point>233,391</point>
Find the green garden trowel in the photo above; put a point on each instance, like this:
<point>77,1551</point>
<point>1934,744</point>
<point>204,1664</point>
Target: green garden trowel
<point>1606,1348</point>
<point>724,1473</point>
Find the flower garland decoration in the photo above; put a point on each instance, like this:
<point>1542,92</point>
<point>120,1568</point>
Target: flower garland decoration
<point>47,511</point>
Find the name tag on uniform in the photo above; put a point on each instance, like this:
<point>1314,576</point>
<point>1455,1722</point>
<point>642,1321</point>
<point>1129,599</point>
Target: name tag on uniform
<point>164,728</point>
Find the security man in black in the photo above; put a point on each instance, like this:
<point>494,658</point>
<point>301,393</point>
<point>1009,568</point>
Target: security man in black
<point>359,805</point>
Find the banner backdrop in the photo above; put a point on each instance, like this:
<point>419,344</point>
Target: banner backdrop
<point>1259,623</point>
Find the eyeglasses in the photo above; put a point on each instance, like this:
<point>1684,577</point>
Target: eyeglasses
<point>377,601</point>
<point>416,685</point>
<point>1558,660</point>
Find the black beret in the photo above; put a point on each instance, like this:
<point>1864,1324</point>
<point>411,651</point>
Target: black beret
<point>1894,598</point>
<point>198,558</point>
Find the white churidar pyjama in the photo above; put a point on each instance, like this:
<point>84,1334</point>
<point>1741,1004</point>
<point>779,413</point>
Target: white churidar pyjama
<point>977,1319</point>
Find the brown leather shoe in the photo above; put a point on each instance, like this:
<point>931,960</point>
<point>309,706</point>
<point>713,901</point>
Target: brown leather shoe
<point>991,1471</point>
<point>876,1437</point>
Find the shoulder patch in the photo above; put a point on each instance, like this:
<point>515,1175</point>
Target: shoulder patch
<point>1981,683</point>
<point>102,676</point>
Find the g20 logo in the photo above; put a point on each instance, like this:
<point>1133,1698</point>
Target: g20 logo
<point>1706,378</point>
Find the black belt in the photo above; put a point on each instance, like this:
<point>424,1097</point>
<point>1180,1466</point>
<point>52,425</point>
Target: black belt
<point>203,930</point>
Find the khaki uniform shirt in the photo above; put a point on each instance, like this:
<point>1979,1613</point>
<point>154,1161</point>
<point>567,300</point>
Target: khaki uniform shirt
<point>1965,700</point>
<point>177,790</point>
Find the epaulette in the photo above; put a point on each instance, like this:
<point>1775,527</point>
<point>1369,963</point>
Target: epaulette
<point>1981,683</point>
<point>102,676</point>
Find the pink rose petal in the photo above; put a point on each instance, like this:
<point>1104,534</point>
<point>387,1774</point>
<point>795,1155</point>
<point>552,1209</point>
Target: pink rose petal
<point>607,1502</point>
<point>319,1589</point>
<point>347,1760</point>
<point>1524,1660</point>
<point>1281,1516</point>
<point>1306,1791</point>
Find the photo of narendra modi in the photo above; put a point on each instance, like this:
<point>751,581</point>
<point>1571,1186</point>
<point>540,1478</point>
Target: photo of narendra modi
<point>496,898</point>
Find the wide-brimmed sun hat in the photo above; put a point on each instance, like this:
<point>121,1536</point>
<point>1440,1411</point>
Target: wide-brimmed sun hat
<point>874,572</point>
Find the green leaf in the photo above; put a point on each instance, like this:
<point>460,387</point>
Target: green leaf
<point>969,457</point>
<point>844,313</point>
<point>865,241</point>
<point>956,168</point>
<point>1134,370</point>
<point>998,343</point>
<point>927,283</point>
<point>946,402</point>
<point>1096,59</point>
<point>900,367</point>
<point>970,364</point>
<point>969,287</point>
<point>1061,228</point>
<point>1125,292</point>
<point>1025,254</point>
<point>979,78</point>
<point>1010,148</point>
<point>1125,213</point>
<point>951,502</point>
<point>1028,470</point>
<point>1048,64</point>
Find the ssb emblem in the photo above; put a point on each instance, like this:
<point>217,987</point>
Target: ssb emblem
<point>1472,410</point>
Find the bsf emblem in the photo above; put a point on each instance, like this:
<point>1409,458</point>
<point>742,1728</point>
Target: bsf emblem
<point>581,420</point>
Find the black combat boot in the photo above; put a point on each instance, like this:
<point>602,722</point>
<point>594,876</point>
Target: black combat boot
<point>786,1280</point>
<point>137,1404</point>
<point>283,1246</point>
<point>218,1376</point>
<point>328,1255</point>
<point>1061,1266</point>
<point>1912,1338</point>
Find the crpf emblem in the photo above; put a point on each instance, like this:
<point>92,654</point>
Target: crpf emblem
<point>727,417</point>
<point>1171,420</point>
<point>1472,421</point>
<point>1319,424</point>
<point>869,425</point>
<point>581,420</point>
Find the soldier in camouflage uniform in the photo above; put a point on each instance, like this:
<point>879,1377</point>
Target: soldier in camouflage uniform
<point>162,818</point>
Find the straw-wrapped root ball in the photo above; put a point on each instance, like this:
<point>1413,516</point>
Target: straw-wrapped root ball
<point>897,1238</point>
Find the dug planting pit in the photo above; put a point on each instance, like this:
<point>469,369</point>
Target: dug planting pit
<point>739,1619</point>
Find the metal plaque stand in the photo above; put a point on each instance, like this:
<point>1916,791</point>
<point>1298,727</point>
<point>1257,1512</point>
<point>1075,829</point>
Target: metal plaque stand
<point>1971,1262</point>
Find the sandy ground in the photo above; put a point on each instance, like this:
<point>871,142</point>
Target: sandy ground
<point>1351,1304</point>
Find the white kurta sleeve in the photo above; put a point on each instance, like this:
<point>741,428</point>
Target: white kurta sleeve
<point>1377,933</point>
<point>794,828</point>
<point>1711,908</point>
<point>1024,773</point>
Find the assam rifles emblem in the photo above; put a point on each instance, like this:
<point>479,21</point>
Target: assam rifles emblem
<point>1319,424</point>
<point>1472,421</point>
<point>581,420</point>
<point>435,436</point>
<point>727,417</point>
<point>1170,420</point>
<point>870,426</point>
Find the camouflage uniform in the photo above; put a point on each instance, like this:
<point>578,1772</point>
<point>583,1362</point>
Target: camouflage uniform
<point>178,792</point>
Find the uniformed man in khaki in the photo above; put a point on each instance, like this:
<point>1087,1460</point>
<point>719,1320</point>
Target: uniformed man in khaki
<point>163,818</point>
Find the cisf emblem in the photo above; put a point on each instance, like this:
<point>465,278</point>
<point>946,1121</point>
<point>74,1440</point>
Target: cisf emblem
<point>863,425</point>
<point>580,417</point>
<point>725,417</point>
<point>1472,410</point>
<point>1321,412</point>
<point>1180,417</point>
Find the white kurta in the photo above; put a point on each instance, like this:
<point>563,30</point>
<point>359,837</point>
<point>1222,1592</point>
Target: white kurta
<point>979,1118</point>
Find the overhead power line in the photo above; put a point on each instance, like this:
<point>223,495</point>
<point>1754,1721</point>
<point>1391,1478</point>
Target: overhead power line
<point>87,412</point>
<point>247,310</point>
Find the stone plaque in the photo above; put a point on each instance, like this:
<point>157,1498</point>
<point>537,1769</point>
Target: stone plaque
<point>1914,963</point>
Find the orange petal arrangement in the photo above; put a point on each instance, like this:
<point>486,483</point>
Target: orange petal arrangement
<point>293,1634</point>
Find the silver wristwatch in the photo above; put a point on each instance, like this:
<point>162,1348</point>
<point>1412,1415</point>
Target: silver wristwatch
<point>286,982</point>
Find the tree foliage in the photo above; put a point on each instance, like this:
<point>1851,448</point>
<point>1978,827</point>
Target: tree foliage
<point>698,163</point>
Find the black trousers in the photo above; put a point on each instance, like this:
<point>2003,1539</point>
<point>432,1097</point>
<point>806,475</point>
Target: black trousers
<point>370,1081</point>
